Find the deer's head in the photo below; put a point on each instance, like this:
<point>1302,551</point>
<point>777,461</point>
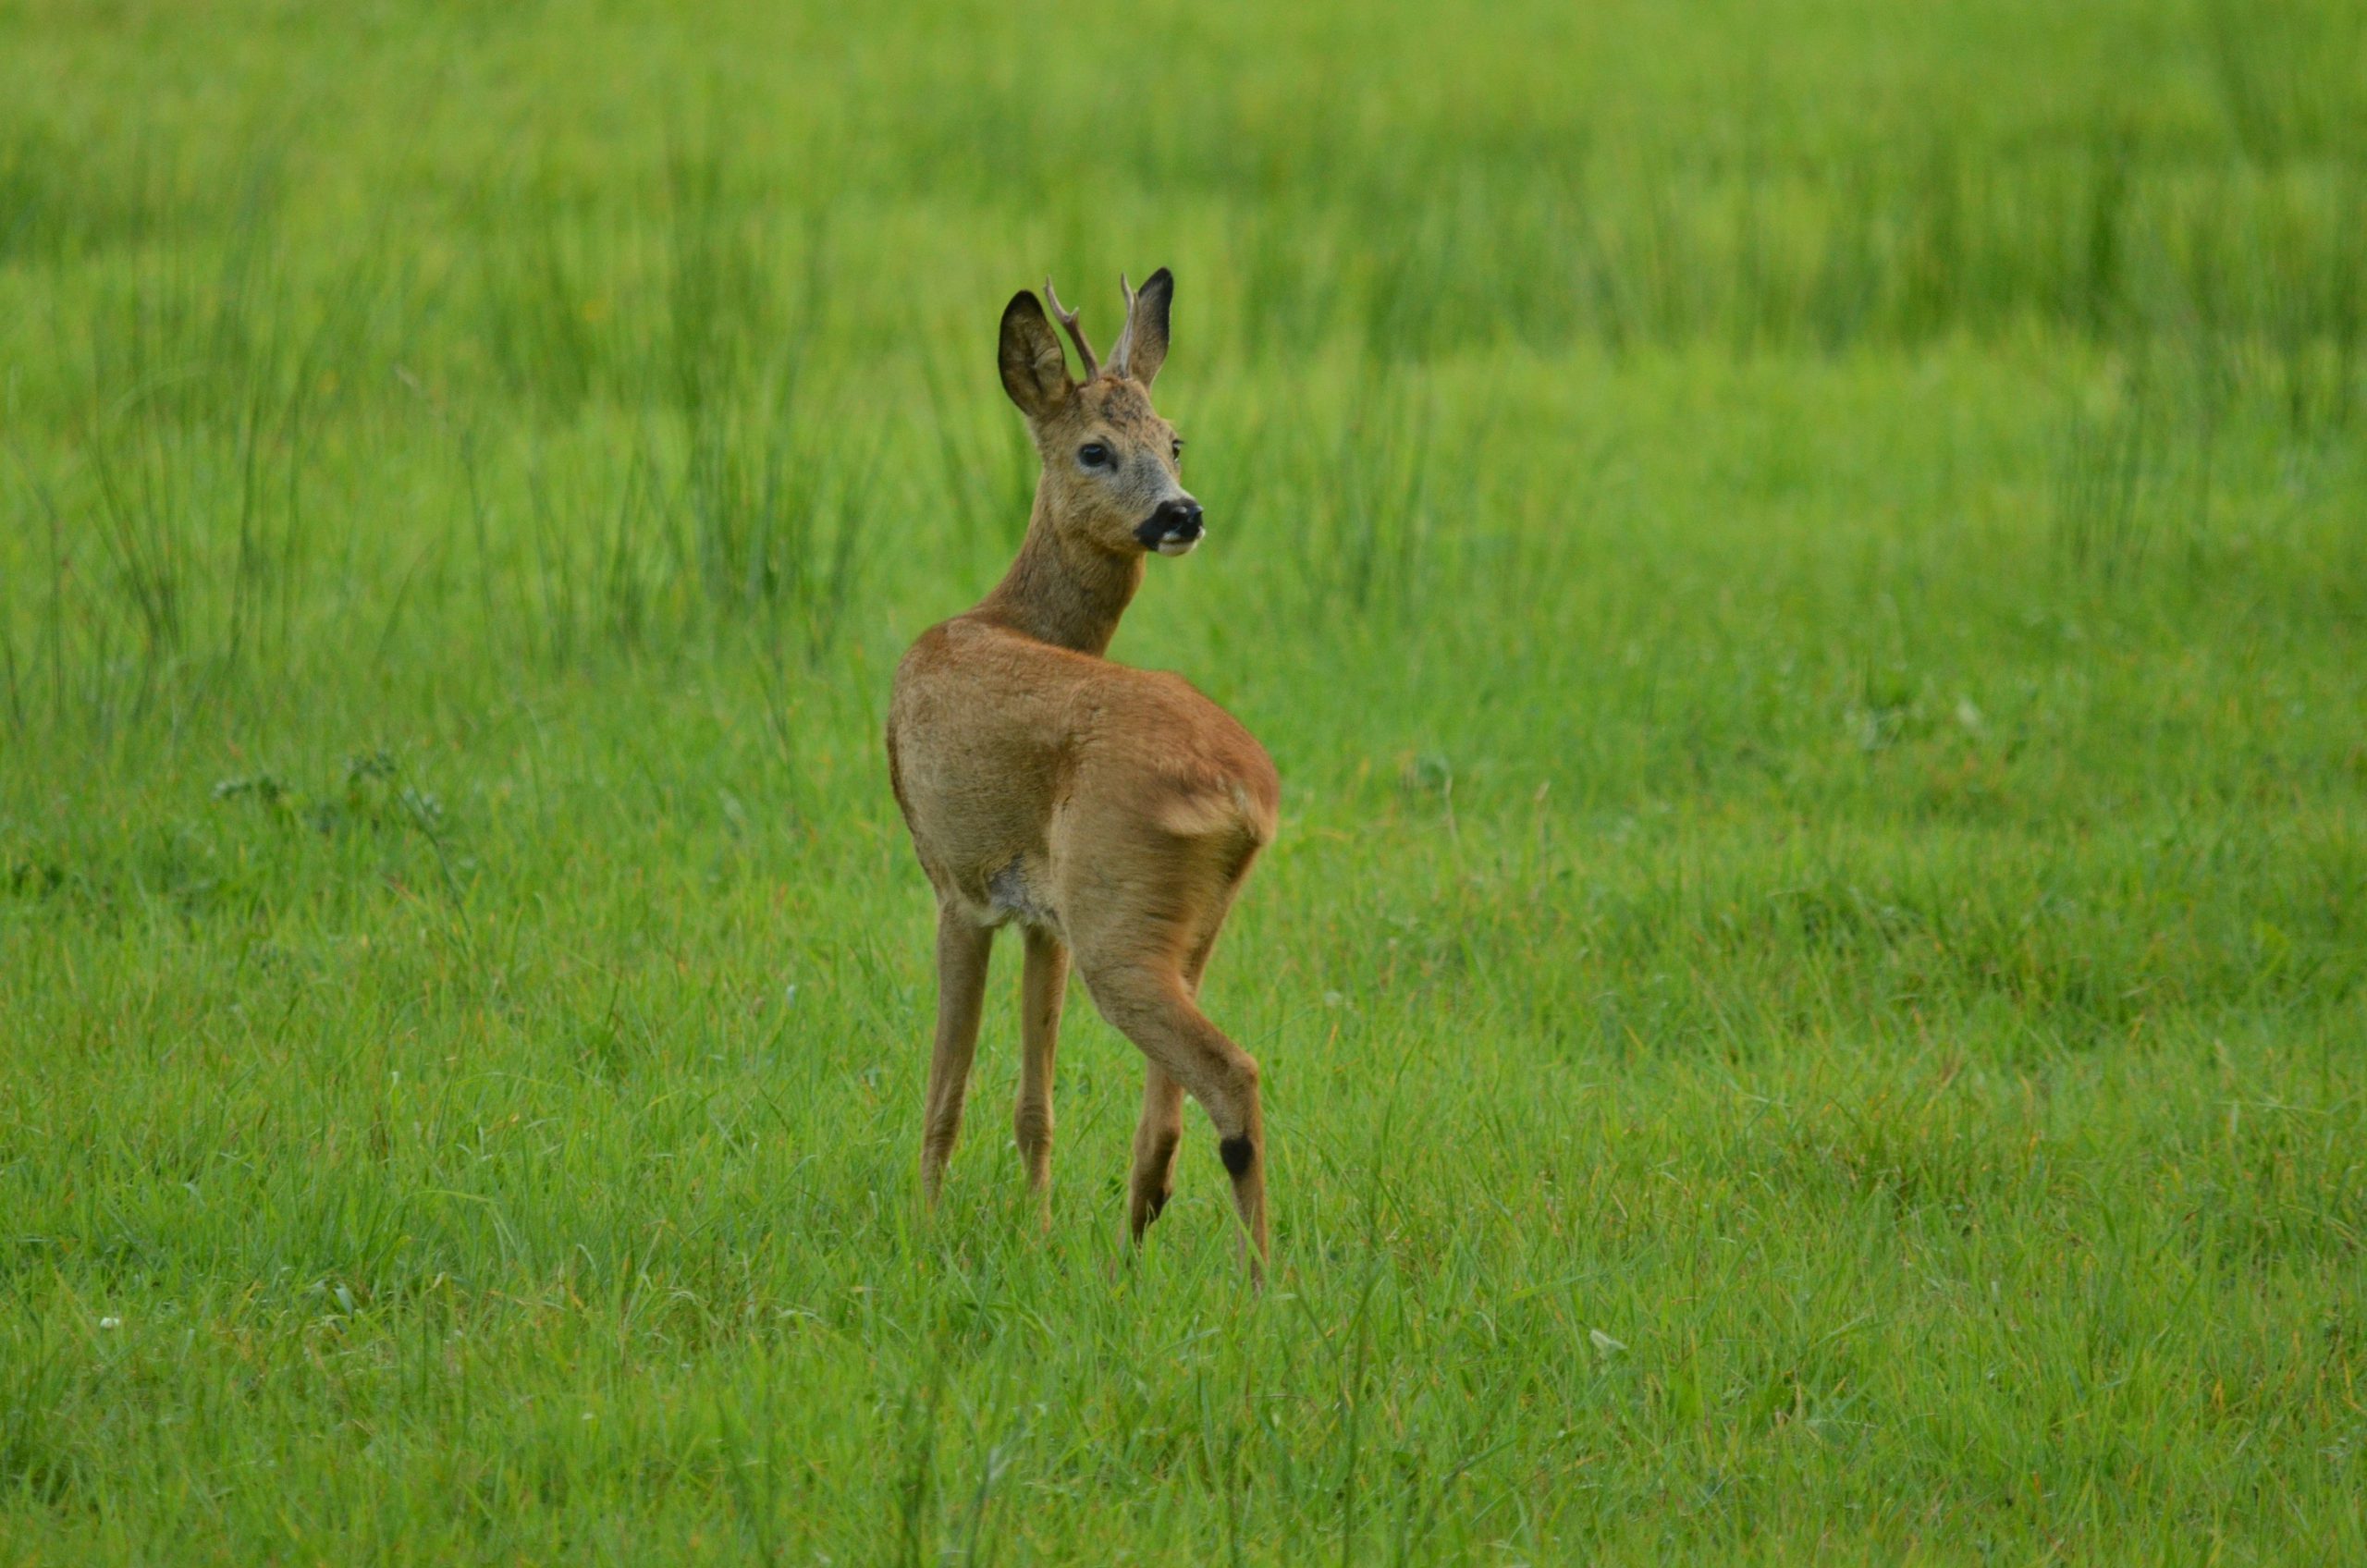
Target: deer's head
<point>1113,468</point>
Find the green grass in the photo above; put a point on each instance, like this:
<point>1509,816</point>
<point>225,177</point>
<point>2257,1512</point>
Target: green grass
<point>1803,568</point>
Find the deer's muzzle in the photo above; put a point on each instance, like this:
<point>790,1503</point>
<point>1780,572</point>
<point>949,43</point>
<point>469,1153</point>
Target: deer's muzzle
<point>1173,529</point>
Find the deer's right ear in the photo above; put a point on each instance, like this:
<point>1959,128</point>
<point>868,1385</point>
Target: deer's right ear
<point>1034,372</point>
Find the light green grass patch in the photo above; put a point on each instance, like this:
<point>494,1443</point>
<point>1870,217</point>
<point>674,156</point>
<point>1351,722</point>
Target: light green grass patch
<point>1802,567</point>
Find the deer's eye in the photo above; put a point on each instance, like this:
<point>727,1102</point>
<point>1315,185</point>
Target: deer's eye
<point>1176,452</point>
<point>1093,454</point>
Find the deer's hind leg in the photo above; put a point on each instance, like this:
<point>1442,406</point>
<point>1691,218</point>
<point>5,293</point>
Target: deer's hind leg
<point>962,946</point>
<point>1157,1136</point>
<point>1141,960</point>
<point>1150,1006</point>
<point>1160,1131</point>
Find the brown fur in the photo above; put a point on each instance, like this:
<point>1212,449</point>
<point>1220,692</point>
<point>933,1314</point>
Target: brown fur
<point>1112,812</point>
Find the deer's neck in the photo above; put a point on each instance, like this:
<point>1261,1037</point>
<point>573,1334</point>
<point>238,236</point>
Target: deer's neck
<point>1062,593</point>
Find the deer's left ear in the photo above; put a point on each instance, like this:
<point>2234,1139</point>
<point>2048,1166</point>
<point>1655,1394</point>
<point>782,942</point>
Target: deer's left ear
<point>1144,348</point>
<point>1034,371</point>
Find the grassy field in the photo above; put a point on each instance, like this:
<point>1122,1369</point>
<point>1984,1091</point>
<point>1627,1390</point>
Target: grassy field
<point>1804,565</point>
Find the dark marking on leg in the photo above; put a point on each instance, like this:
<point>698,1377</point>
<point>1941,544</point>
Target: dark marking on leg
<point>1237,1153</point>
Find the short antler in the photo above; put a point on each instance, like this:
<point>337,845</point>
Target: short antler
<point>1124,348</point>
<point>1076,334</point>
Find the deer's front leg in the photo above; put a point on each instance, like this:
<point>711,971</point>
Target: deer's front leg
<point>1043,987</point>
<point>963,946</point>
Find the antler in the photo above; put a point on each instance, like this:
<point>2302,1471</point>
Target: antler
<point>1123,349</point>
<point>1076,334</point>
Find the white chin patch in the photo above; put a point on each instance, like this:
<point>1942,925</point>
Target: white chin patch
<point>1177,546</point>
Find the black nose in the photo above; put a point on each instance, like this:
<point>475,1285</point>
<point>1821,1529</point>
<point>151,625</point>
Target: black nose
<point>1178,520</point>
<point>1175,522</point>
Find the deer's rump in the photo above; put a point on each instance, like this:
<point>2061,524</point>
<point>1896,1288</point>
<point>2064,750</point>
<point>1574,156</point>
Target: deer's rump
<point>1022,768</point>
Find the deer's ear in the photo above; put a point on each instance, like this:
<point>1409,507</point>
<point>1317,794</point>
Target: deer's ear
<point>1034,371</point>
<point>1146,327</point>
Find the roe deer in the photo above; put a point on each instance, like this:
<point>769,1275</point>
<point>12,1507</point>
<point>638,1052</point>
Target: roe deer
<point>1111,812</point>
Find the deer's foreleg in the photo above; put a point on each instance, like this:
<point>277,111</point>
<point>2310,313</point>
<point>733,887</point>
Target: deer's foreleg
<point>963,946</point>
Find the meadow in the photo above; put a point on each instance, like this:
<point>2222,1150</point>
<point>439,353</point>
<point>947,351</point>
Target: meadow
<point>1805,569</point>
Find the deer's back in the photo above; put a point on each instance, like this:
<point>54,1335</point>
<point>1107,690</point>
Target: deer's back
<point>1009,753</point>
